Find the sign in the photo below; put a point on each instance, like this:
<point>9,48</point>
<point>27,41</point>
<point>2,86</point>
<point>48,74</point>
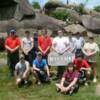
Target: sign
<point>55,59</point>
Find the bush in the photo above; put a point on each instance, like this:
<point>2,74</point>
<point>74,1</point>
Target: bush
<point>97,8</point>
<point>36,5</point>
<point>2,48</point>
<point>61,15</point>
<point>80,9</point>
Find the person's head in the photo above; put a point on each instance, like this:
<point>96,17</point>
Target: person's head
<point>91,39</point>
<point>27,34</point>
<point>39,55</point>
<point>60,33</point>
<point>79,56</point>
<point>70,34</point>
<point>44,32</point>
<point>22,58</point>
<point>13,33</point>
<point>78,35</point>
<point>70,67</point>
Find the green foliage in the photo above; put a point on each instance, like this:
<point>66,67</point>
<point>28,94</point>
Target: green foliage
<point>80,9</point>
<point>61,15</point>
<point>36,5</point>
<point>97,8</point>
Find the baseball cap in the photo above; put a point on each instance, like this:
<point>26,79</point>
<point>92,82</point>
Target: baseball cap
<point>13,31</point>
<point>21,56</point>
<point>39,54</point>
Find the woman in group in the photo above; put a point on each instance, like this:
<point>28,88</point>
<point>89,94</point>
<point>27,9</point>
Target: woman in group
<point>69,81</point>
<point>90,50</point>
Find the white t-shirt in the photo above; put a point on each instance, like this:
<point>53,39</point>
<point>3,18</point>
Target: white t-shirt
<point>27,43</point>
<point>60,43</point>
<point>20,68</point>
<point>89,47</point>
<point>79,43</point>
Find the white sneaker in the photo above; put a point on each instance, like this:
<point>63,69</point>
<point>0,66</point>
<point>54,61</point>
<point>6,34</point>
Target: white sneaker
<point>38,83</point>
<point>86,84</point>
<point>94,80</point>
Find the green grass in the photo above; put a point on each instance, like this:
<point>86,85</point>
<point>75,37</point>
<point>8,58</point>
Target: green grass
<point>9,91</point>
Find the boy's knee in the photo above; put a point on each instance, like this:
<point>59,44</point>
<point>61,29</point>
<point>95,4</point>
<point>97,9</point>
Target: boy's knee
<point>18,81</point>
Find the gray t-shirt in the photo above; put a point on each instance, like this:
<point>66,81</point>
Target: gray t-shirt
<point>21,67</point>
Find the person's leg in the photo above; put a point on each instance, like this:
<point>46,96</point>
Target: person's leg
<point>18,81</point>
<point>74,89</point>
<point>10,64</point>
<point>25,77</point>
<point>30,57</point>
<point>94,72</point>
<point>37,77</point>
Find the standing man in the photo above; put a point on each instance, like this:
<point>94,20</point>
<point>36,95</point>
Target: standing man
<point>79,43</point>
<point>44,43</point>
<point>71,42</point>
<point>27,46</point>
<point>60,46</point>
<point>12,44</point>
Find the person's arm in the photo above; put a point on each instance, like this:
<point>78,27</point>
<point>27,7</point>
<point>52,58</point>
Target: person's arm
<point>8,48</point>
<point>65,50</point>
<point>40,49</point>
<point>86,66</point>
<point>48,48</point>
<point>84,49</point>
<point>49,45</point>
<point>70,85</point>
<point>32,45</point>
<point>27,68</point>
<point>47,70</point>
<point>18,45</point>
<point>16,48</point>
<point>35,68</point>
<point>62,81</point>
<point>87,69</point>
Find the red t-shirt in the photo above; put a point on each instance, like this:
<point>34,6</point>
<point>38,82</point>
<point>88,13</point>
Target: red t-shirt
<point>44,42</point>
<point>69,77</point>
<point>80,64</point>
<point>12,42</point>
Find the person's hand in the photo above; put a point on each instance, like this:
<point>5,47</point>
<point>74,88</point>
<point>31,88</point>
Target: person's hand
<point>41,72</point>
<point>63,89</point>
<point>81,69</point>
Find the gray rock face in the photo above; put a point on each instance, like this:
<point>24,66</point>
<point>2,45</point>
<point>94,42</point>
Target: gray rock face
<point>74,28</point>
<point>91,23</point>
<point>23,16</point>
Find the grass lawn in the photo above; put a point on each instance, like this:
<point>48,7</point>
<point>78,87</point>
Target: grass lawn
<point>8,90</point>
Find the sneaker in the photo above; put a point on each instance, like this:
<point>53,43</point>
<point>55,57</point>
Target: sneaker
<point>86,84</point>
<point>94,80</point>
<point>38,83</point>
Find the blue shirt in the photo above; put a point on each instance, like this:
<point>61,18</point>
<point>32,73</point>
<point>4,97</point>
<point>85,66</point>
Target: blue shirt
<point>40,64</point>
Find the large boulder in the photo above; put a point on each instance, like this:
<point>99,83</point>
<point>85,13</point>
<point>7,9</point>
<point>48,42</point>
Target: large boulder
<point>15,9</point>
<point>39,22</point>
<point>74,15</point>
<point>74,28</point>
<point>20,14</point>
<point>91,23</point>
<point>52,5</point>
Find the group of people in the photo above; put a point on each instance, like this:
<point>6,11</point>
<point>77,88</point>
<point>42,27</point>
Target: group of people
<point>33,58</point>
